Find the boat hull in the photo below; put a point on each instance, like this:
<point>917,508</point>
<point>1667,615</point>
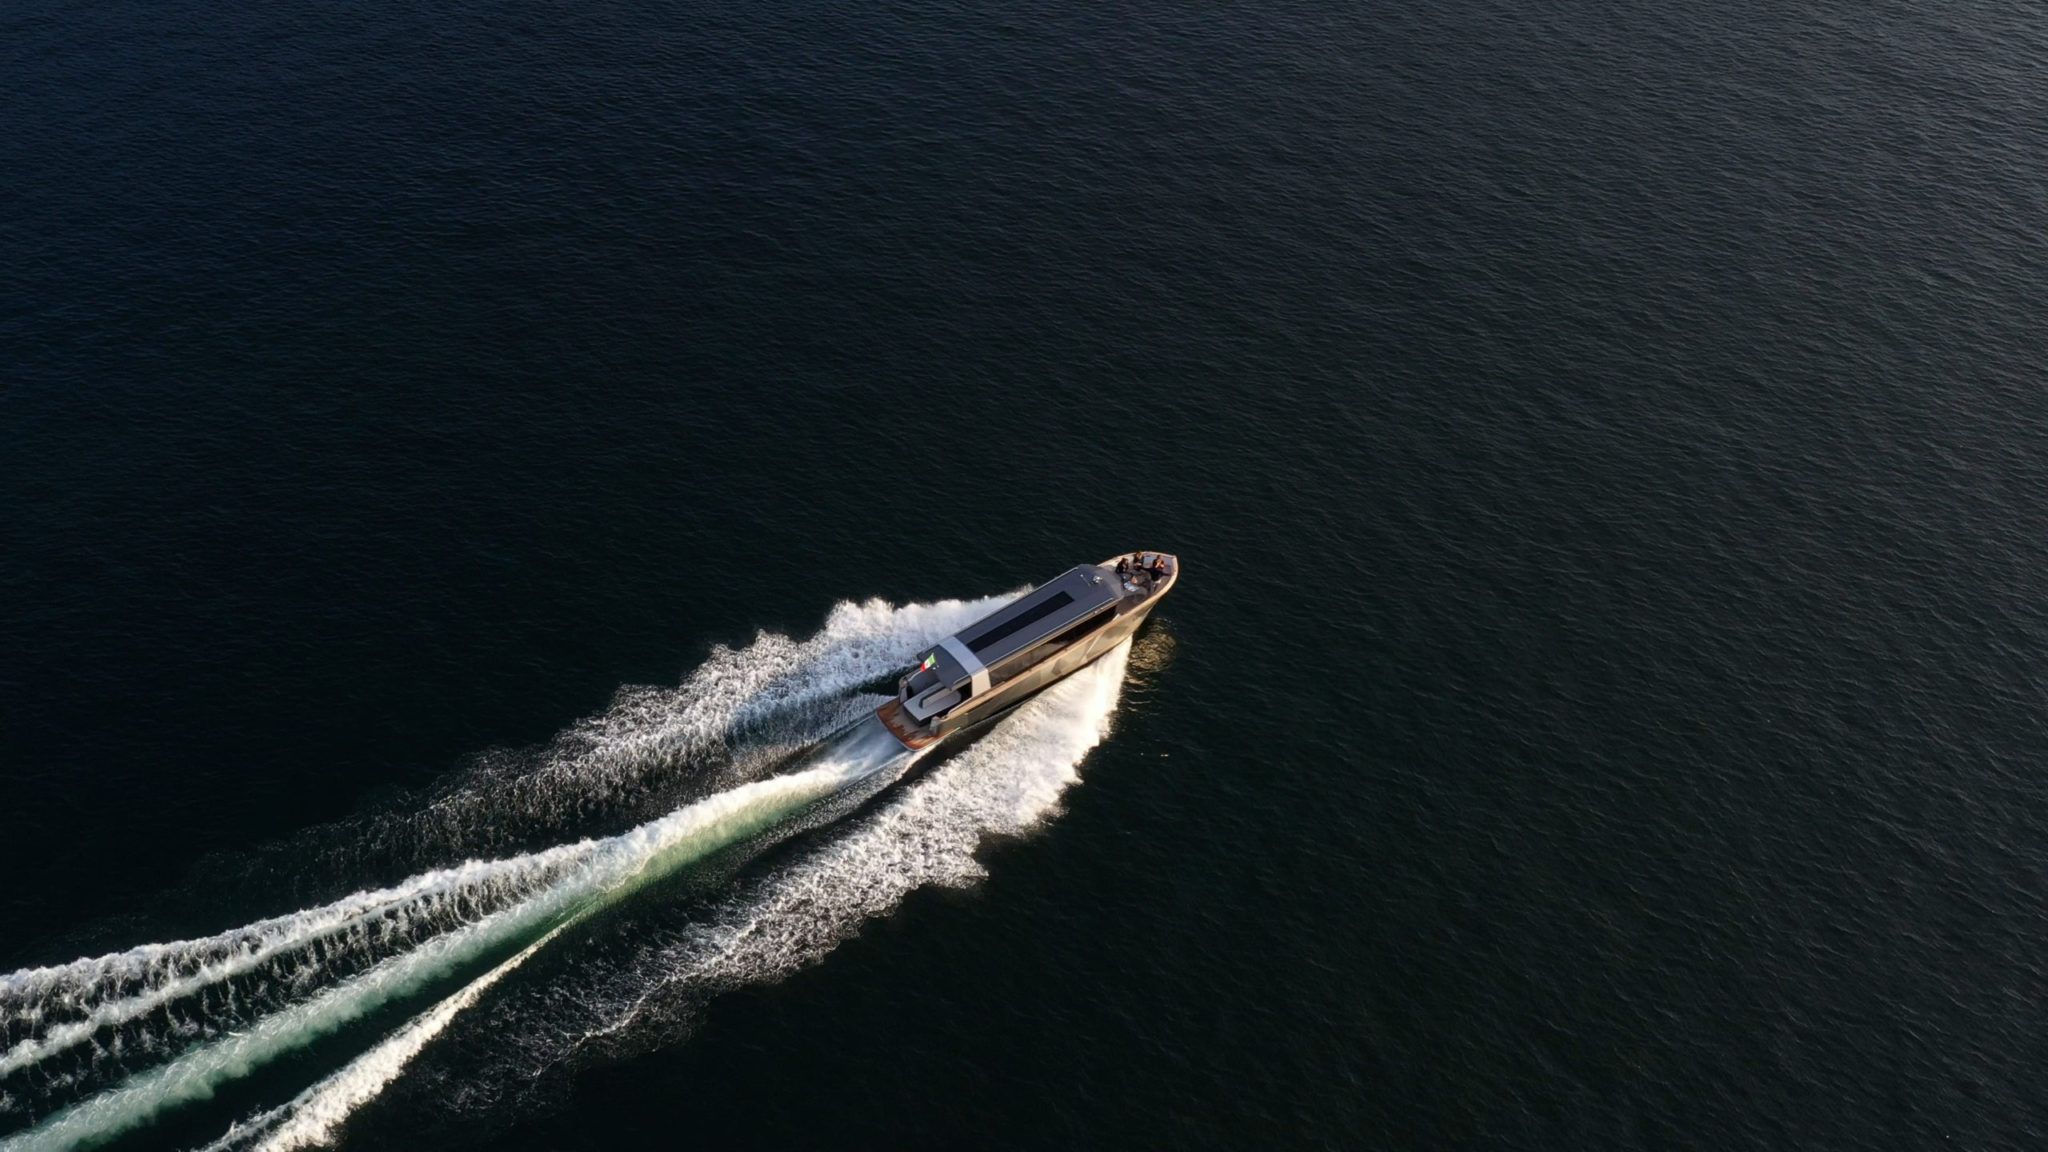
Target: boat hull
<point>1142,592</point>
<point>1002,698</point>
<point>1006,696</point>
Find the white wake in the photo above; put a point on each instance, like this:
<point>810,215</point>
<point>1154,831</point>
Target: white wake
<point>928,833</point>
<point>101,1045</point>
<point>607,871</point>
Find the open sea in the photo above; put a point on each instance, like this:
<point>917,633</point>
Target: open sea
<point>461,465</point>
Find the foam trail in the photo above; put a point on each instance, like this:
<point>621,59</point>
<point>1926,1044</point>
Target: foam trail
<point>775,686</point>
<point>311,1117</point>
<point>167,972</point>
<point>929,833</point>
<point>614,868</point>
<point>1005,783</point>
<point>71,1028</point>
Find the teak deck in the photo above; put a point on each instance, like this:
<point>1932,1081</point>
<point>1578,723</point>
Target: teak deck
<point>903,728</point>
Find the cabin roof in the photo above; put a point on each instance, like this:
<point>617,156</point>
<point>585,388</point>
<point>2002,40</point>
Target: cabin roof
<point>1044,611</point>
<point>1039,613</point>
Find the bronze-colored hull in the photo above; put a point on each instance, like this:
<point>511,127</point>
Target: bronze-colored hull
<point>1001,698</point>
<point>1006,696</point>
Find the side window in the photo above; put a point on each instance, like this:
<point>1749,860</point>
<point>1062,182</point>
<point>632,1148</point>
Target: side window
<point>1004,671</point>
<point>1078,631</point>
<point>1007,671</point>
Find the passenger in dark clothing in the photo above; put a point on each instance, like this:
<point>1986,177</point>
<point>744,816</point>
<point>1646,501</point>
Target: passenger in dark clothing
<point>1123,569</point>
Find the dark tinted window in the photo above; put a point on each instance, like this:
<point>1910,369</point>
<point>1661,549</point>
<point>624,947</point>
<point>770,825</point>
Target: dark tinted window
<point>1077,631</point>
<point>1046,649</point>
<point>1021,621</point>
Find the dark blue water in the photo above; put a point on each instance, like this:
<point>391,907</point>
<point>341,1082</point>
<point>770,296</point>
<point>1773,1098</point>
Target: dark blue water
<point>1606,442</point>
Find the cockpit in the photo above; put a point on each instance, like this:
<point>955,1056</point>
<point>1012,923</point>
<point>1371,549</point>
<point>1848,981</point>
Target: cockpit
<point>927,692</point>
<point>1144,573</point>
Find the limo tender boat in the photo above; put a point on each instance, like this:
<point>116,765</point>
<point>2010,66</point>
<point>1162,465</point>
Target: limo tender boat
<point>1041,637</point>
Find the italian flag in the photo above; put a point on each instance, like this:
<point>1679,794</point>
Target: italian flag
<point>931,661</point>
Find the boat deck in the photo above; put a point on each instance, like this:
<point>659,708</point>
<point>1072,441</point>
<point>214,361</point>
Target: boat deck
<point>1140,585</point>
<point>914,736</point>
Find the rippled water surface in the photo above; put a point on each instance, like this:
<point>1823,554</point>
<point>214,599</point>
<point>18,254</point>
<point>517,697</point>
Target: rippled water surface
<point>463,466</point>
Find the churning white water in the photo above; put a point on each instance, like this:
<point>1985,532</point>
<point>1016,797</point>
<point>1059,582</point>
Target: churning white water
<point>131,1034</point>
<point>928,833</point>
